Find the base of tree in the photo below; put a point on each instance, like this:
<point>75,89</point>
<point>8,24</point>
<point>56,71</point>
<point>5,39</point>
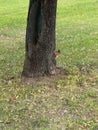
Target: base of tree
<point>57,74</point>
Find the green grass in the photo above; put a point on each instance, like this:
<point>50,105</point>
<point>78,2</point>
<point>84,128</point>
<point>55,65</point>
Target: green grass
<point>72,102</point>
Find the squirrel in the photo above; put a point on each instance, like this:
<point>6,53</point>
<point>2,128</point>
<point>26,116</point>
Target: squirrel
<point>57,53</point>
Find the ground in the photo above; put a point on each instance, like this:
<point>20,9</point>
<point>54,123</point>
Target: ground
<point>69,102</point>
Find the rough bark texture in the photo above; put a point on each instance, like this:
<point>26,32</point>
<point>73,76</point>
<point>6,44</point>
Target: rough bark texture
<point>40,38</point>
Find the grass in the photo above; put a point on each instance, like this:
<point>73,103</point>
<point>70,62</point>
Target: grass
<point>72,102</point>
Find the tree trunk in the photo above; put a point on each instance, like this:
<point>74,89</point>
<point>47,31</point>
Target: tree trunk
<point>40,38</point>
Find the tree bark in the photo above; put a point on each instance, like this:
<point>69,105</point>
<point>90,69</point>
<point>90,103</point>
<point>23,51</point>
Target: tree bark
<point>40,38</point>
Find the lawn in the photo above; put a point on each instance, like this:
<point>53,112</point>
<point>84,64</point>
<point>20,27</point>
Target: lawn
<point>70,103</point>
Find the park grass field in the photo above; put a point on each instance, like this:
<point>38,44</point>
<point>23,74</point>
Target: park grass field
<point>70,103</point>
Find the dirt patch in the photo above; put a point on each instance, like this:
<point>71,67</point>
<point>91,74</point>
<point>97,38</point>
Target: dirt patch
<point>52,79</point>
